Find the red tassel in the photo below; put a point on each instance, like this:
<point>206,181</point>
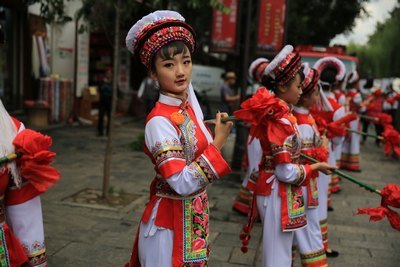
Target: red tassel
<point>242,236</point>
<point>245,242</point>
<point>244,249</point>
<point>246,229</point>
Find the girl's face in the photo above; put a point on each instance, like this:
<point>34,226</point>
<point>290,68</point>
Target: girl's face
<point>173,73</point>
<point>311,99</point>
<point>291,92</point>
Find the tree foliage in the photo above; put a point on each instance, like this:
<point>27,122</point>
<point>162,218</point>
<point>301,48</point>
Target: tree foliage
<point>316,22</point>
<point>53,11</point>
<point>380,57</point>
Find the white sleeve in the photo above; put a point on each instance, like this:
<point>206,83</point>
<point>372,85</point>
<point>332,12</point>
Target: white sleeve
<point>339,113</point>
<point>21,127</point>
<point>141,89</point>
<point>357,98</point>
<point>160,135</point>
<point>386,105</point>
<point>289,172</point>
<point>26,222</point>
<point>254,153</point>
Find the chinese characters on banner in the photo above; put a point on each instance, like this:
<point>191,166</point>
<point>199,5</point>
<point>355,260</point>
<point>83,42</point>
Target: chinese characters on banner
<point>223,32</point>
<point>271,25</point>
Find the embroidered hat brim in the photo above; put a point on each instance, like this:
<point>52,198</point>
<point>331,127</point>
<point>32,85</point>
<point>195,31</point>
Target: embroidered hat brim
<point>257,68</point>
<point>331,62</point>
<point>284,66</point>
<point>311,77</point>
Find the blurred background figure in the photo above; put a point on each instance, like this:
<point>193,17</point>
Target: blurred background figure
<point>106,92</point>
<point>229,98</point>
<point>148,93</point>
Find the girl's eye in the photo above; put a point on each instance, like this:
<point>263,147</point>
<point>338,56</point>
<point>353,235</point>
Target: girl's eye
<point>168,65</point>
<point>187,62</point>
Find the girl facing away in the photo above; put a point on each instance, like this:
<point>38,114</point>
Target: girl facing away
<point>278,196</point>
<point>174,228</point>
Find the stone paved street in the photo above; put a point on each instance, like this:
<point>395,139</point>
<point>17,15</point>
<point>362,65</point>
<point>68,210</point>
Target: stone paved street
<point>96,236</point>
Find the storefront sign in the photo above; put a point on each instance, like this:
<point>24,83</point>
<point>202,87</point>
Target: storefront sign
<point>271,25</point>
<point>223,32</point>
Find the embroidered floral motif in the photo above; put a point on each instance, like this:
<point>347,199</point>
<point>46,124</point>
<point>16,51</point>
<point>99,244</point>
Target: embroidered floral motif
<point>295,206</point>
<point>4,259</point>
<point>207,170</point>
<point>36,252</point>
<point>163,152</point>
<point>195,229</point>
<point>188,138</point>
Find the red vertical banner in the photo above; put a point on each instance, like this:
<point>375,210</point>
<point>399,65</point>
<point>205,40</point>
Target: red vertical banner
<point>271,25</point>
<point>223,31</point>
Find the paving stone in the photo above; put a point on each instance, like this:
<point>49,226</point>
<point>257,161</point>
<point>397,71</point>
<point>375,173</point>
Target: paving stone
<point>243,258</point>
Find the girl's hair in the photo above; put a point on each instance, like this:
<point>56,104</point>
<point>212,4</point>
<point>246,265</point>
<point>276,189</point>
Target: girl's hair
<point>168,51</point>
<point>328,75</point>
<point>272,85</point>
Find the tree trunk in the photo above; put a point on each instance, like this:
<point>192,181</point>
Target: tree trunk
<point>109,147</point>
<point>241,131</point>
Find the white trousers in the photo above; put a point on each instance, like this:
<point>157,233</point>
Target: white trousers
<point>309,239</point>
<point>155,243</point>
<point>277,245</point>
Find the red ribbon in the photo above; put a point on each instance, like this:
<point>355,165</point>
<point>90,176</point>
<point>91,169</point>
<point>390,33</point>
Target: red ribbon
<point>390,197</point>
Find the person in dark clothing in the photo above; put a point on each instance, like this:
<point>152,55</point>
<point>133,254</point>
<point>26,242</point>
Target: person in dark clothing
<point>106,92</point>
<point>229,98</point>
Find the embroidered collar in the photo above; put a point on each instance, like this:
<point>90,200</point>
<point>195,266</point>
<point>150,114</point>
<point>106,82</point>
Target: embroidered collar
<point>301,110</point>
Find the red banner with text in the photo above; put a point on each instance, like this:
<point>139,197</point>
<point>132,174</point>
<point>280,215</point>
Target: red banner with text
<point>271,25</point>
<point>223,31</point>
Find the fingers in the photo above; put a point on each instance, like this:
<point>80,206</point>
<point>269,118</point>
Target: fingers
<point>218,117</point>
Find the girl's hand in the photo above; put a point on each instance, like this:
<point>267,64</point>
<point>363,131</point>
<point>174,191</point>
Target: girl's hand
<point>222,130</point>
<point>323,167</point>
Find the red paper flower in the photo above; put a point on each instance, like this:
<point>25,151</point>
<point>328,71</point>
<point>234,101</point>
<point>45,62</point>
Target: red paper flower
<point>391,141</point>
<point>35,160</point>
<point>390,197</point>
<point>261,108</point>
<point>383,118</point>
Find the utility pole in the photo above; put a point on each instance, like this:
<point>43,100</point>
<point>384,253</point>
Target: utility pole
<point>241,136</point>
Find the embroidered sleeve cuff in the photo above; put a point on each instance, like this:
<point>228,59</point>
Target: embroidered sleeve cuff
<point>211,165</point>
<point>305,174</point>
<point>169,160</point>
<point>282,157</point>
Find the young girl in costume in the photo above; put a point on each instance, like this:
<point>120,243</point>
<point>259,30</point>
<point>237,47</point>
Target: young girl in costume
<point>253,150</point>
<point>332,71</point>
<point>174,228</point>
<point>309,239</point>
<point>350,159</point>
<point>278,195</point>
<point>21,183</point>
